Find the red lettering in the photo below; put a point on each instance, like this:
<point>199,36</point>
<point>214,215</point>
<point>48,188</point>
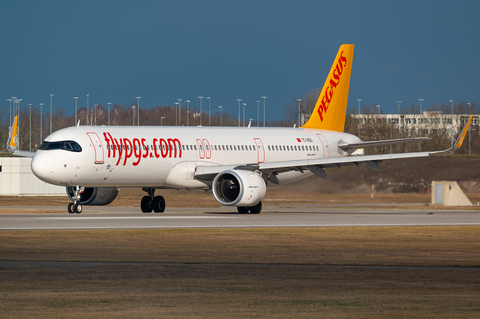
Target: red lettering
<point>137,152</point>
<point>344,59</point>
<point>163,148</point>
<point>111,140</point>
<point>128,150</point>
<point>328,94</point>
<point>155,147</point>
<point>107,141</point>
<point>145,147</point>
<point>120,150</point>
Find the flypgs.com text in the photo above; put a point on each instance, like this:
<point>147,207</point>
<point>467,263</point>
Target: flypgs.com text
<point>138,148</point>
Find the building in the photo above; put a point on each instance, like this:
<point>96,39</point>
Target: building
<point>16,178</point>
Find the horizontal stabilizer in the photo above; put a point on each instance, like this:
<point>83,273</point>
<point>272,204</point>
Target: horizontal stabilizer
<point>381,143</point>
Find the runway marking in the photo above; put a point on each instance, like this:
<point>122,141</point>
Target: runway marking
<point>135,217</point>
<point>236,226</point>
<point>106,263</point>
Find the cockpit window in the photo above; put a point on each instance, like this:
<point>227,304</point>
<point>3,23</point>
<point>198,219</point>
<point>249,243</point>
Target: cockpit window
<point>61,145</point>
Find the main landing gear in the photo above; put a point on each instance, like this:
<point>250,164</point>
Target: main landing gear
<point>152,202</point>
<point>253,209</point>
<point>75,207</point>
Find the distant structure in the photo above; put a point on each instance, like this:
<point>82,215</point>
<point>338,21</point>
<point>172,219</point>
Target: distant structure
<point>448,194</point>
<point>16,178</point>
<point>428,122</point>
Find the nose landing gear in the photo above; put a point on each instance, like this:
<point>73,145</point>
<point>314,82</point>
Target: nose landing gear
<point>75,207</point>
<point>151,202</point>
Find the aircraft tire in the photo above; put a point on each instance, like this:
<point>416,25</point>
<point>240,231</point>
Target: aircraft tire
<point>243,209</point>
<point>77,208</point>
<point>70,208</point>
<point>256,209</point>
<point>146,204</point>
<point>158,204</point>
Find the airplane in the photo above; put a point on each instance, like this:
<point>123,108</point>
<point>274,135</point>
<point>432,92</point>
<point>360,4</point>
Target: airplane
<point>237,164</point>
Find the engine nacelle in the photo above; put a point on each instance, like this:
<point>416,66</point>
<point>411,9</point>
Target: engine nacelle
<point>95,196</point>
<point>239,188</point>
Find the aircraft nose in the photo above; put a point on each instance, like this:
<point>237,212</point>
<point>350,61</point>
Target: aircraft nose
<point>41,166</point>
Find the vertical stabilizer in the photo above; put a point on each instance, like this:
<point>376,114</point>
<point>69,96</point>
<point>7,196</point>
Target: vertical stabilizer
<point>12,137</point>
<point>331,107</point>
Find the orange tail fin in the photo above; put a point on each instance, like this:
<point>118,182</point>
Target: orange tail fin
<point>331,107</point>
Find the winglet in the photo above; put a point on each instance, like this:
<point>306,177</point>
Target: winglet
<point>460,139</point>
<point>331,107</point>
<point>12,137</point>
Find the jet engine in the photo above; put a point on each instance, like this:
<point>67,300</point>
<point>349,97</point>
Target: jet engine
<point>95,195</point>
<point>239,188</point>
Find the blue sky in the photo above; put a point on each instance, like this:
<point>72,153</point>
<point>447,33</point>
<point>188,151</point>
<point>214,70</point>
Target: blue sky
<point>167,50</point>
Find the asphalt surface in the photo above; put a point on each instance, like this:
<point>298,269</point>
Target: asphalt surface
<point>227,217</point>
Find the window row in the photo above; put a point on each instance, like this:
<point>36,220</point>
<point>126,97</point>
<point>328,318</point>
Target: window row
<point>293,148</point>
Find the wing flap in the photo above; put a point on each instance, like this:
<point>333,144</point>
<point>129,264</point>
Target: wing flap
<point>346,146</point>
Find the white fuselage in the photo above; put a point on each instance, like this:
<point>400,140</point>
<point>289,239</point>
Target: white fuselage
<point>166,157</point>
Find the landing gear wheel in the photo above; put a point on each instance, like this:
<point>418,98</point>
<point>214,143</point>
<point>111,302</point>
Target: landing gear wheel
<point>77,208</point>
<point>243,210</point>
<point>146,204</point>
<point>158,204</point>
<point>256,209</point>
<point>70,208</point>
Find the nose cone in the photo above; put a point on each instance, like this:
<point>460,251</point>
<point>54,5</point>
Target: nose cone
<point>42,166</point>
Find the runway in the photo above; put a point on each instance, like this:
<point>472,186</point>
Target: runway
<point>225,217</point>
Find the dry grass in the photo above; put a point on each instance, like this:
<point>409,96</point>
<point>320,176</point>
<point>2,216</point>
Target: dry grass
<point>275,196</point>
<point>233,289</point>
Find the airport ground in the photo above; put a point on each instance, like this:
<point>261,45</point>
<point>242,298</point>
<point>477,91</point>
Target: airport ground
<point>272,272</point>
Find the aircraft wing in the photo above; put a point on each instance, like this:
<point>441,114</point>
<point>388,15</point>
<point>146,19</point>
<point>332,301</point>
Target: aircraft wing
<point>316,166</point>
<point>23,153</point>
<point>346,146</point>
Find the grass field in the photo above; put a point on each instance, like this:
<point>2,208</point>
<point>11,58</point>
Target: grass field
<point>218,273</point>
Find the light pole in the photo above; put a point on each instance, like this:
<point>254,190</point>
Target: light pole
<point>378,110</point>
<point>76,99</point>
<point>298,101</point>
<point>264,97</point>
<point>138,111</point>
<point>451,129</point>
<point>88,95</point>
<point>179,112</point>
<point>186,108</point>
<point>239,100</point>
<point>359,100</point>
<point>201,114</point>
<point>209,106</point>
<point>133,115</point>
<point>176,118</point>
<point>14,98</point>
<point>51,103</point>
<point>244,104</point>
<point>109,103</point>
<point>95,113</point>
<point>221,115</point>
<point>41,122</point>
<point>30,104</point>
<point>161,120</point>
<point>398,110</point>
<point>18,121</point>
<point>258,113</point>
<point>469,140</point>
<point>421,100</point>
<point>10,100</point>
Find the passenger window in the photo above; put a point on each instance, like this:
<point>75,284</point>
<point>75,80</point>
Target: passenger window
<point>284,148</point>
<point>242,148</point>
<point>254,147</point>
